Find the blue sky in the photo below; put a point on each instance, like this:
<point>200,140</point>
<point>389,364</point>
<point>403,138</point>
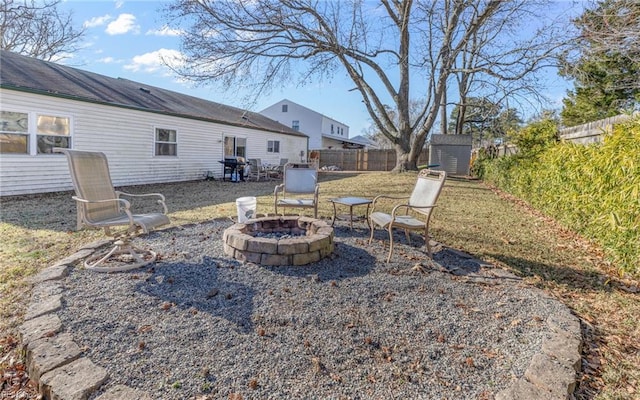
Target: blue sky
<point>126,39</point>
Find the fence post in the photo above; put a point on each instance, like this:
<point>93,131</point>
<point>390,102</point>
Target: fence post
<point>365,159</point>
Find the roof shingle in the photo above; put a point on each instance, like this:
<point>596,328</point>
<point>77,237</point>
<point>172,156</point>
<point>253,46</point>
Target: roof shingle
<point>37,76</point>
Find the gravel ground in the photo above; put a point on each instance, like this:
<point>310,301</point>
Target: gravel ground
<point>200,325</point>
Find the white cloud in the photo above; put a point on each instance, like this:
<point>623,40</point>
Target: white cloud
<point>165,31</point>
<point>125,23</point>
<point>97,21</point>
<point>107,60</point>
<point>155,61</point>
<point>119,4</point>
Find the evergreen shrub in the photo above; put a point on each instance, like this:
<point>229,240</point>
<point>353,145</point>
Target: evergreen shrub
<point>593,190</point>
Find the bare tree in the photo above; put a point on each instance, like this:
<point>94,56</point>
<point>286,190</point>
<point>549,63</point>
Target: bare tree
<point>38,29</point>
<point>382,141</point>
<point>612,26</point>
<point>507,74</point>
<point>392,50</point>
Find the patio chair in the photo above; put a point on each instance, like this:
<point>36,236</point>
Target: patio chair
<point>413,215</point>
<point>256,169</point>
<point>298,189</point>
<point>276,171</point>
<point>100,206</point>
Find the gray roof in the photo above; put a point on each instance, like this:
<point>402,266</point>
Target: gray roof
<point>29,74</point>
<point>361,139</point>
<point>451,140</point>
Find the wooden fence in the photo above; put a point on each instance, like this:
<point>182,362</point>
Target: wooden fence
<point>591,132</point>
<point>363,159</point>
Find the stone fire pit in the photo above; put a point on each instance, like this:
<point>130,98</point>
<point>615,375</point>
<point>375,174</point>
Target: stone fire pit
<point>277,240</point>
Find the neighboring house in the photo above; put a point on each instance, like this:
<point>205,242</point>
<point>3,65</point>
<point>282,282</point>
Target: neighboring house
<point>149,134</point>
<point>364,142</point>
<point>323,132</point>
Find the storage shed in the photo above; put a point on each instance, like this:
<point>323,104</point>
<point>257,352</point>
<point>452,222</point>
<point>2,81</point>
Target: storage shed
<point>451,152</point>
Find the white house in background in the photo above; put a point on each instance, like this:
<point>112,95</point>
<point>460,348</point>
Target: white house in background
<point>364,141</point>
<point>150,135</point>
<point>323,132</point>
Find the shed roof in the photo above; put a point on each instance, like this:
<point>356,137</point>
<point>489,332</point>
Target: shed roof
<point>451,140</point>
<point>29,74</point>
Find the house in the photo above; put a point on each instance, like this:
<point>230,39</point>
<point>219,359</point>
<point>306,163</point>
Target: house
<point>149,134</point>
<point>323,132</point>
<point>364,142</point>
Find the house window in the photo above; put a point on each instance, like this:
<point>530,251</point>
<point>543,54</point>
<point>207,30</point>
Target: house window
<point>273,146</point>
<point>295,125</point>
<point>166,142</point>
<point>332,129</point>
<point>29,133</point>
<point>285,107</point>
<point>14,132</point>
<point>52,131</point>
<point>235,146</point>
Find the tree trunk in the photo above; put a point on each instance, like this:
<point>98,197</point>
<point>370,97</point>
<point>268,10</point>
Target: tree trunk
<point>404,160</point>
<point>443,114</point>
<point>460,118</point>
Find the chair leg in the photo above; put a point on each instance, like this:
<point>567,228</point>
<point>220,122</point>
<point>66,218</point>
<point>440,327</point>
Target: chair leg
<point>426,241</point>
<point>390,229</point>
<point>121,247</point>
<point>372,226</point>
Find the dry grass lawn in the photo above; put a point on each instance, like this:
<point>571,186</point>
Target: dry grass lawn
<point>40,229</point>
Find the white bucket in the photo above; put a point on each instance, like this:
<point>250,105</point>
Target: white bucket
<point>246,208</point>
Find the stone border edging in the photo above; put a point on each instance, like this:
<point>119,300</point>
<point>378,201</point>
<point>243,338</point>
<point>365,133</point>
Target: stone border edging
<point>56,363</point>
<point>53,360</point>
<point>551,373</point>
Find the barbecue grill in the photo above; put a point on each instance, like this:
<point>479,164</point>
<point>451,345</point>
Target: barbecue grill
<point>231,165</point>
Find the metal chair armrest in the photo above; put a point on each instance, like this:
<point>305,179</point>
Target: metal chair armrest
<point>375,203</point>
<point>395,209</point>
<point>408,207</point>
<point>125,204</point>
<point>160,201</point>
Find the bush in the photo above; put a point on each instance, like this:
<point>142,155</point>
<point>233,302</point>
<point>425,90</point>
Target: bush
<point>593,190</point>
<point>536,137</point>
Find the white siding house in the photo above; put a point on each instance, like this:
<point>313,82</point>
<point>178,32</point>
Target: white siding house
<point>323,132</point>
<point>150,135</point>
